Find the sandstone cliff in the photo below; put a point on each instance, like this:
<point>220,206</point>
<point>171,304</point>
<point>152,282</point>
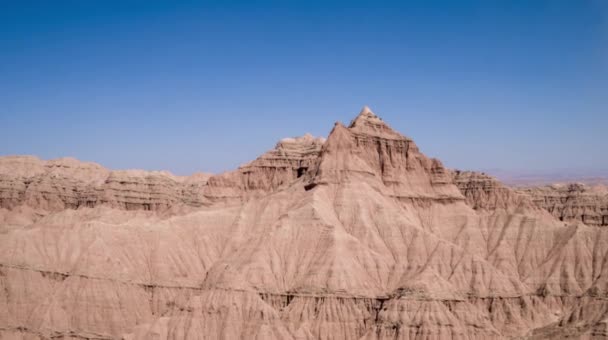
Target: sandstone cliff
<point>485,192</point>
<point>69,184</point>
<point>572,202</point>
<point>360,236</point>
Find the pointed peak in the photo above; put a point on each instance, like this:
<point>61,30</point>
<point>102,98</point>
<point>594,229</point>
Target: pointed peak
<point>366,111</point>
<point>368,122</point>
<point>365,115</point>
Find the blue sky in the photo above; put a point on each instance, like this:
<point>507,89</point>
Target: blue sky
<point>205,86</point>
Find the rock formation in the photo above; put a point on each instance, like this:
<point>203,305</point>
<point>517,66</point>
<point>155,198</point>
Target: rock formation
<point>69,184</point>
<point>290,159</point>
<point>566,202</point>
<point>572,202</point>
<point>482,191</point>
<point>360,236</point>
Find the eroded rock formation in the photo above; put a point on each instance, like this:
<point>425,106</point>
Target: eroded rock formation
<point>485,192</point>
<point>69,184</point>
<point>572,202</point>
<point>360,236</point>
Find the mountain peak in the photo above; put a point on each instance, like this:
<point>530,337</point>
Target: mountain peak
<point>366,115</point>
<point>369,123</point>
<point>366,111</point>
<point>361,236</point>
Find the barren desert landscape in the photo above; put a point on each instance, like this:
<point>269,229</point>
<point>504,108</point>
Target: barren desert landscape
<point>356,236</point>
<point>209,170</point>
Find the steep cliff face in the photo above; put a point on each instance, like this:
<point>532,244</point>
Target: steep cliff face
<point>487,193</point>
<point>572,202</point>
<point>566,202</point>
<point>357,237</point>
<point>289,160</point>
<point>69,184</point>
<point>369,147</point>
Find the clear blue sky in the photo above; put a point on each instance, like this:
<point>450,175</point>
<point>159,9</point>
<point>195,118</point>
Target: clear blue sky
<point>205,86</point>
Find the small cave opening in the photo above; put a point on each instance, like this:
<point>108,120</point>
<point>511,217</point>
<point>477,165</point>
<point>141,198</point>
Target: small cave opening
<point>301,171</point>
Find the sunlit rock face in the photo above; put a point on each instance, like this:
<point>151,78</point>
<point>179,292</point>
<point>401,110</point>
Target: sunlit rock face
<point>572,202</point>
<point>359,236</point>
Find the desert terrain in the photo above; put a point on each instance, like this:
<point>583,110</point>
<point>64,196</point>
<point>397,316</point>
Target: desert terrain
<point>356,236</point>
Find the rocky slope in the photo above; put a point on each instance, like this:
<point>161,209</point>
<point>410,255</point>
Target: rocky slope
<point>69,184</point>
<point>566,202</point>
<point>482,191</point>
<point>360,236</point>
<point>572,202</point>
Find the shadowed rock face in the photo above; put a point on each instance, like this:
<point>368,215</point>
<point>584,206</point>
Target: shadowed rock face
<point>360,236</point>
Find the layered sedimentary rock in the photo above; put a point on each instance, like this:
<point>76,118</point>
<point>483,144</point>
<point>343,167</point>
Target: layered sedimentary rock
<point>369,147</point>
<point>572,202</point>
<point>566,202</point>
<point>289,160</point>
<point>485,192</point>
<point>360,236</point>
<point>69,184</point>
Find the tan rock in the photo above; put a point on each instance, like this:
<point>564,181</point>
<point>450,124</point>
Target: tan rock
<point>69,184</point>
<point>360,236</point>
<point>572,202</point>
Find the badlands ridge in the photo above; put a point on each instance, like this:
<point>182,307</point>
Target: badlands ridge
<point>359,236</point>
